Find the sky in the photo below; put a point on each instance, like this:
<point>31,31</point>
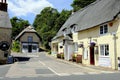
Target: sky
<point>28,9</point>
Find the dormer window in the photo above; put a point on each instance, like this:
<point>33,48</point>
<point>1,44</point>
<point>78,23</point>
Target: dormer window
<point>73,28</point>
<point>104,29</point>
<point>64,31</point>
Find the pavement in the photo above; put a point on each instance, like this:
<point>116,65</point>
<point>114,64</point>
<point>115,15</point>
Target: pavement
<point>90,67</point>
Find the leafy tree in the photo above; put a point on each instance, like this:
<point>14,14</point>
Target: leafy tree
<point>48,22</point>
<point>18,25</point>
<point>44,24</point>
<point>61,19</point>
<point>78,4</point>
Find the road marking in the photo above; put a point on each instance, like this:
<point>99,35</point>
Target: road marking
<point>42,63</point>
<point>50,68</point>
<point>53,71</point>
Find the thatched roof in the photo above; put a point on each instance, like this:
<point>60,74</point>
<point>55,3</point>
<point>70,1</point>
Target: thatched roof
<point>29,29</point>
<point>99,12</point>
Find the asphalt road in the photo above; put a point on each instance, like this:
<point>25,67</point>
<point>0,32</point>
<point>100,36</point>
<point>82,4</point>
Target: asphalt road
<point>42,67</point>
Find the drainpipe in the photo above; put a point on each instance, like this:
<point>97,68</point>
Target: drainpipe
<point>115,50</point>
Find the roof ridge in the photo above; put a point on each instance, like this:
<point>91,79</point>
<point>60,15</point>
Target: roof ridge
<point>95,2</point>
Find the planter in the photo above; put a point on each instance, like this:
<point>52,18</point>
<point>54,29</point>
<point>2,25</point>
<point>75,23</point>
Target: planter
<point>79,59</point>
<point>60,55</point>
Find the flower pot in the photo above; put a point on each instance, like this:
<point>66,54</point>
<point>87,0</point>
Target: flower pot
<point>79,59</point>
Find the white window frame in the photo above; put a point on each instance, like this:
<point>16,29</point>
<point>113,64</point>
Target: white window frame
<point>103,29</point>
<point>104,50</point>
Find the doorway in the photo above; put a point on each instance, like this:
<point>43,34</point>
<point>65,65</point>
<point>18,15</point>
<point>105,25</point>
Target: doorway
<point>29,48</point>
<point>92,56</point>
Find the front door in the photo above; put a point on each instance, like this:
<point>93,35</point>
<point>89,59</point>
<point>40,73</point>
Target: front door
<point>92,61</point>
<point>29,48</point>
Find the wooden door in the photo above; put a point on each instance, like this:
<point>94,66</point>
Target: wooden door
<point>92,61</point>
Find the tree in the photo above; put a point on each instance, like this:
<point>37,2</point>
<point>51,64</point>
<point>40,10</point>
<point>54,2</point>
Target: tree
<point>44,24</point>
<point>48,22</point>
<point>64,15</point>
<point>78,4</point>
<point>18,25</point>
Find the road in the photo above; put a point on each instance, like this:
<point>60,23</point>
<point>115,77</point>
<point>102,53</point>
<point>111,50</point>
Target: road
<point>42,67</point>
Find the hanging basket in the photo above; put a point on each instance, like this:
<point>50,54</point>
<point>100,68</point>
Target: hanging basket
<point>92,44</point>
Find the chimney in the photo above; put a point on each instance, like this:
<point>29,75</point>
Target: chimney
<point>3,5</point>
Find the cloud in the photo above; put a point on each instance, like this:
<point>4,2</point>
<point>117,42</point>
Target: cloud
<point>24,7</point>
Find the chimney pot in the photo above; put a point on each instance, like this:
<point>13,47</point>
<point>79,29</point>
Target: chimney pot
<point>3,6</point>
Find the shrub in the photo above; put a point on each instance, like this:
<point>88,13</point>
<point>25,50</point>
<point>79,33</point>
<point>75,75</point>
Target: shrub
<point>49,53</point>
<point>62,55</point>
<point>74,57</point>
<point>15,46</point>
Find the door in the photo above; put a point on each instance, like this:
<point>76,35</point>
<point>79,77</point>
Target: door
<point>92,61</point>
<point>29,48</point>
<point>70,51</point>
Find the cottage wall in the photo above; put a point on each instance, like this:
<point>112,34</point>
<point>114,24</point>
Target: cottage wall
<point>93,35</point>
<point>24,38</point>
<point>5,35</point>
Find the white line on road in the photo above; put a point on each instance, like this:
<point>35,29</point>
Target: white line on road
<point>42,63</point>
<point>53,71</point>
<point>62,74</point>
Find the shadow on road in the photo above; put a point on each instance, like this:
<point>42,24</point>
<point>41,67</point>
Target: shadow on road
<point>21,59</point>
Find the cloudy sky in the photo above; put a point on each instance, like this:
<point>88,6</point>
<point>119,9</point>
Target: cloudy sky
<point>27,9</point>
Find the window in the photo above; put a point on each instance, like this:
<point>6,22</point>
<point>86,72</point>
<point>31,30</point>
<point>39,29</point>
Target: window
<point>25,47</point>
<point>30,38</point>
<point>76,46</point>
<point>104,50</point>
<point>73,29</point>
<point>104,29</point>
<point>34,47</point>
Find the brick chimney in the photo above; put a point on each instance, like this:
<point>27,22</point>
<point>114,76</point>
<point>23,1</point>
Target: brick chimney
<point>3,5</point>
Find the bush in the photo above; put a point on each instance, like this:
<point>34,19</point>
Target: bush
<point>49,52</point>
<point>15,46</point>
<point>62,55</point>
<point>74,57</point>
